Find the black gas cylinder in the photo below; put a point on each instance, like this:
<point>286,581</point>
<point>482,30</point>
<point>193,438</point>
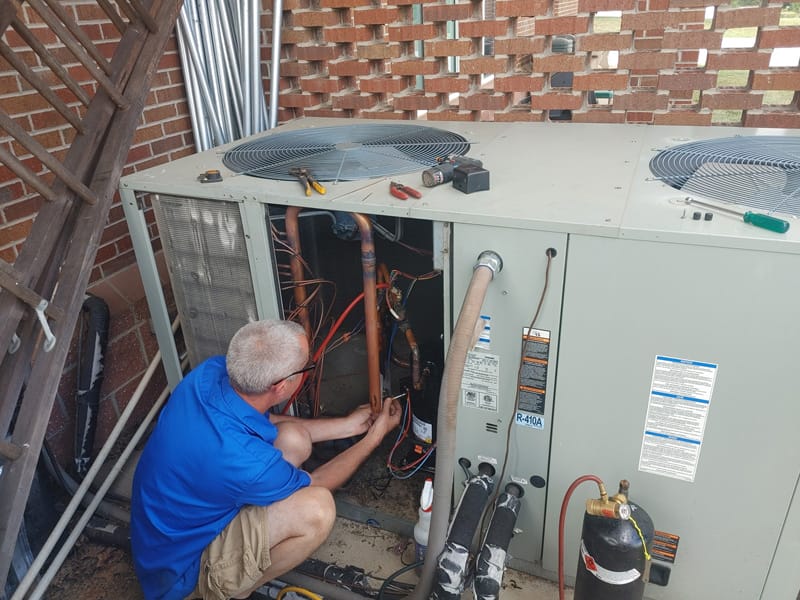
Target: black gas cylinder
<point>612,561</point>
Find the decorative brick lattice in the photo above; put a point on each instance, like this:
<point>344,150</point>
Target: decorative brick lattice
<point>693,62</point>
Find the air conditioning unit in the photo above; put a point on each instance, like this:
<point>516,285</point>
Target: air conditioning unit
<point>663,349</point>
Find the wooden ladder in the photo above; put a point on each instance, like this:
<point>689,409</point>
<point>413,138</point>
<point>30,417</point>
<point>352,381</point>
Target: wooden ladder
<point>43,291</point>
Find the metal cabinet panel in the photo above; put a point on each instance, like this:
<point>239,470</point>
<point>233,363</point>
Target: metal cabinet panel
<point>625,302</point>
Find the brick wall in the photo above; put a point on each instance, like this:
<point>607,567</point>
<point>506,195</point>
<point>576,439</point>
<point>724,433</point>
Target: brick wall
<point>164,133</point>
<point>652,61</point>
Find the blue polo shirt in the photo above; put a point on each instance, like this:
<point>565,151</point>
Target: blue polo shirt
<point>209,455</point>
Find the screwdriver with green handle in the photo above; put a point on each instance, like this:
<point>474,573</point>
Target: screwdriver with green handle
<point>758,219</point>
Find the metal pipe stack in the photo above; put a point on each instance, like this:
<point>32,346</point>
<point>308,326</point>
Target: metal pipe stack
<point>221,59</point>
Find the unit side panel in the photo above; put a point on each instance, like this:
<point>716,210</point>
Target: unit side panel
<point>625,304</point>
<point>483,424</point>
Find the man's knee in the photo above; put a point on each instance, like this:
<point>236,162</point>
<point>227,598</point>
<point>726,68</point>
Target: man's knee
<point>317,509</point>
<point>294,442</point>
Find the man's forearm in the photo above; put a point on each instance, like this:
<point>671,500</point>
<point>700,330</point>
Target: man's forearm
<point>339,469</point>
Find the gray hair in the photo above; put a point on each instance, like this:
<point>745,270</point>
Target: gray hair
<point>262,353</point>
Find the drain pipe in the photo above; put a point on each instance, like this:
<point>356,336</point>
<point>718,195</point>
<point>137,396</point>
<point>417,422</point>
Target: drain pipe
<point>296,266</point>
<point>369,270</point>
<point>488,264</point>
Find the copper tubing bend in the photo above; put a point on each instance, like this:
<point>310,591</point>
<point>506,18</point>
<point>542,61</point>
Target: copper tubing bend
<point>296,266</point>
<point>369,270</point>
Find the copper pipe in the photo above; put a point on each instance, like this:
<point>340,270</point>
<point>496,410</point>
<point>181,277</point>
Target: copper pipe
<point>416,375</point>
<point>296,265</point>
<point>370,309</point>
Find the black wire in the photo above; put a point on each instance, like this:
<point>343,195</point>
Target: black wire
<point>550,254</point>
<point>388,581</point>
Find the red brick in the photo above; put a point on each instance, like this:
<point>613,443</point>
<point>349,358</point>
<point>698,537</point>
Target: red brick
<point>297,35</point>
<point>321,85</point>
<point>414,66</point>
<point>353,101</point>
<point>417,101</point>
<point>729,18</point>
<point>692,39</point>
<point>343,3</point>
<point>448,47</point>
<point>731,100</point>
<point>298,100</point>
<point>378,51</point>
<point>780,80</point>
<point>375,16</point>
<point>446,12</point>
<point>562,25</point>
<point>293,68</point>
<point>600,81</point>
<point>647,61</point>
<point>9,255</point>
<point>519,45</point>
<point>786,37</point>
<point>317,52</point>
<point>348,67</point>
<point>598,115</point>
<point>651,20</point>
<point>382,84</point>
<point>519,83</point>
<point>639,117</point>
<point>448,114</point>
<point>647,43</point>
<point>315,18</point>
<point>687,81</point>
<point>347,34</point>
<point>784,120</point>
<point>604,41</point>
<point>556,101</point>
<point>474,66</point>
<point>518,114</point>
<point>691,3</point>
<point>641,101</point>
<point>559,63</point>
<point>24,208</point>
<point>522,8</point>
<point>593,6</point>
<point>408,33</point>
<point>447,84</point>
<point>482,100</point>
<point>682,117</point>
<point>473,29</point>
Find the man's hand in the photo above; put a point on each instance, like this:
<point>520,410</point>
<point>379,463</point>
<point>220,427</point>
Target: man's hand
<point>386,420</point>
<point>359,421</point>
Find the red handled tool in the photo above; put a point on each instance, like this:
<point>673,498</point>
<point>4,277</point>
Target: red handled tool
<point>398,190</point>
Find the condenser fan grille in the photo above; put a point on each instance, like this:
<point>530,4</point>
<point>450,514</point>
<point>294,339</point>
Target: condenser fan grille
<point>762,172</point>
<point>345,153</point>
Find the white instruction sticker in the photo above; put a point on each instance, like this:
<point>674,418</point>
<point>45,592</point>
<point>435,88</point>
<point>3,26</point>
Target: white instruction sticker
<point>480,385</point>
<point>680,396</point>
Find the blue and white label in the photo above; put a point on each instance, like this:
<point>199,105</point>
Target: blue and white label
<point>530,420</point>
<point>680,396</point>
<point>485,336</point>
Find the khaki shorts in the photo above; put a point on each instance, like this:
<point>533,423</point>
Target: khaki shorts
<point>235,561</point>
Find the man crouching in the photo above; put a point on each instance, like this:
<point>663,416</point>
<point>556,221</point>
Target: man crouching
<point>220,505</point>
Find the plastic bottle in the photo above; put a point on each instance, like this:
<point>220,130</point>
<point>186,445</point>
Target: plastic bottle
<point>423,524</point>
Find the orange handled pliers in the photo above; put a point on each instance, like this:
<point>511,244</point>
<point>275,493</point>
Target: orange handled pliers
<point>398,190</point>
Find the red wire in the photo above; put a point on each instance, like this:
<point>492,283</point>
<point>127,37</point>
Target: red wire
<point>327,340</point>
<point>561,519</point>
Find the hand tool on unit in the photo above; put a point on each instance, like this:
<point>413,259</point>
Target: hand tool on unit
<point>398,190</point>
<point>758,219</point>
<point>307,180</point>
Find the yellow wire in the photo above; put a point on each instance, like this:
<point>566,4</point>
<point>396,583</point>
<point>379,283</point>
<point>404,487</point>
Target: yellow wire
<point>298,590</point>
<point>639,531</point>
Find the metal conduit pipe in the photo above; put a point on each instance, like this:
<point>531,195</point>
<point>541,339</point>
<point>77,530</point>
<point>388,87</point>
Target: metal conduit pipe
<point>296,266</point>
<point>74,503</point>
<point>369,272</point>
<point>275,67</point>
<point>489,263</point>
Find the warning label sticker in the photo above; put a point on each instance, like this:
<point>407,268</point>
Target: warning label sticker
<point>533,371</point>
<point>680,396</point>
<point>480,385</point>
<point>607,575</point>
